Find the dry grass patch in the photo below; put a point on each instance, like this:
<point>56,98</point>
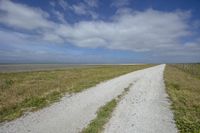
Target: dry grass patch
<point>193,69</point>
<point>183,88</point>
<point>28,91</point>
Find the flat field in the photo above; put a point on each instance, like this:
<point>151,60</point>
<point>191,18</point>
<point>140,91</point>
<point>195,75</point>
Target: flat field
<point>4,68</point>
<point>29,91</point>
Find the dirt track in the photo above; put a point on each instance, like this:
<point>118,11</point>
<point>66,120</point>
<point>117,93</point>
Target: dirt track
<point>144,109</point>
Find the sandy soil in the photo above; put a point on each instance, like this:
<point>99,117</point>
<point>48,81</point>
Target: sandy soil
<point>144,109</point>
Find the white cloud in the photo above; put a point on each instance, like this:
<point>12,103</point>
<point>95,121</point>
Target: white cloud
<point>136,31</point>
<point>92,3</point>
<point>52,38</point>
<point>52,3</point>
<point>59,15</point>
<point>22,16</point>
<point>120,3</point>
<point>140,31</point>
<point>79,8</point>
<point>63,4</point>
<point>17,40</point>
<point>83,9</point>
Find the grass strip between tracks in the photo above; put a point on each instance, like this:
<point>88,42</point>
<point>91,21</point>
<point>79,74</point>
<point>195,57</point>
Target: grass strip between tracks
<point>104,114</point>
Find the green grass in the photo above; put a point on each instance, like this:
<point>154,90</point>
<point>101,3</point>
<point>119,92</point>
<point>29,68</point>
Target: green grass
<point>29,91</point>
<point>183,88</point>
<point>193,69</point>
<point>103,114</point>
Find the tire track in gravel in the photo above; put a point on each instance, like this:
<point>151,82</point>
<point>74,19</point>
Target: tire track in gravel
<point>145,109</point>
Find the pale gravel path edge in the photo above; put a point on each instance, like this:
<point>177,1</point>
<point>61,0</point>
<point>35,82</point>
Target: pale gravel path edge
<point>145,109</point>
<point>73,113</point>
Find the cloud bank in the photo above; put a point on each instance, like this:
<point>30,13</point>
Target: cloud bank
<point>158,32</point>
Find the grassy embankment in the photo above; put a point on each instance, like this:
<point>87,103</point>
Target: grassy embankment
<point>103,114</point>
<point>183,87</point>
<point>29,91</point>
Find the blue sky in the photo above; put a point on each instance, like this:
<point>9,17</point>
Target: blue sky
<point>99,31</point>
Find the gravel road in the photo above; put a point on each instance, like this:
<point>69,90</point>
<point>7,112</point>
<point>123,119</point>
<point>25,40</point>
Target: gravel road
<point>144,109</point>
<point>72,113</point>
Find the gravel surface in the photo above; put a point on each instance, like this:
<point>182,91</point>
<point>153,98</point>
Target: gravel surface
<point>72,113</point>
<point>145,109</point>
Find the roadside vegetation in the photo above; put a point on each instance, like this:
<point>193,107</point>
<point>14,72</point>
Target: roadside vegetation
<point>183,86</point>
<point>193,69</point>
<point>29,91</point>
<point>104,114</point>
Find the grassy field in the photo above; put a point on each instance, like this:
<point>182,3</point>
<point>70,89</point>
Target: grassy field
<point>183,87</point>
<point>38,67</point>
<point>193,69</point>
<point>29,91</point>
